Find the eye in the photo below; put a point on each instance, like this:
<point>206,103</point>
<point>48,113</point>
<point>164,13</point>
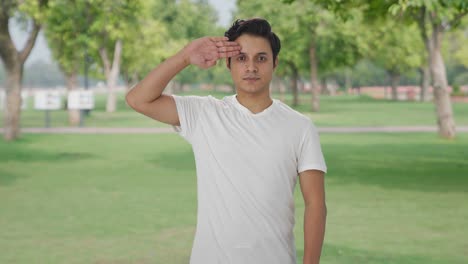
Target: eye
<point>262,58</point>
<point>241,58</point>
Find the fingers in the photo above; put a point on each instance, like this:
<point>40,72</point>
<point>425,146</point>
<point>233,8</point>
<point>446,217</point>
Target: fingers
<point>223,42</point>
<point>227,54</point>
<point>207,64</point>
<point>226,44</point>
<point>216,39</point>
<point>229,50</point>
<point>222,46</point>
<point>210,63</point>
<point>206,51</point>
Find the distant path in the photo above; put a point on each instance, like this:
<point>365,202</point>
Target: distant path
<point>160,130</point>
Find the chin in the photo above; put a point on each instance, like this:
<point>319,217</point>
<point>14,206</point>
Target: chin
<point>251,90</point>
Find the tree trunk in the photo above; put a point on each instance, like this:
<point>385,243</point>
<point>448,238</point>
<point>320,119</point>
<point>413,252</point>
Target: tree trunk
<point>425,69</point>
<point>112,73</point>
<point>274,87</point>
<point>324,87</point>
<point>13,62</point>
<point>294,80</point>
<point>126,78</point>
<point>395,81</point>
<point>12,114</point>
<point>282,91</point>
<point>445,120</point>
<point>72,83</point>
<point>424,82</point>
<point>300,90</point>
<point>281,86</point>
<point>348,80</point>
<point>443,105</point>
<point>314,77</point>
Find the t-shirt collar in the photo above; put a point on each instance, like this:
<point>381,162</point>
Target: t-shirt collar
<point>247,111</point>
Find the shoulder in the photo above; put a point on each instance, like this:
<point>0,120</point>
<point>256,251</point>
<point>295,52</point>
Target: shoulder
<point>297,119</point>
<point>196,100</point>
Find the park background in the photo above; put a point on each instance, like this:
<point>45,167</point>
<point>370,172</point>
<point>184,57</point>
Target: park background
<point>75,194</point>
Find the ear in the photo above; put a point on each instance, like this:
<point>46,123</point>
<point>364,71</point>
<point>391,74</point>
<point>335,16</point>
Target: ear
<point>276,62</point>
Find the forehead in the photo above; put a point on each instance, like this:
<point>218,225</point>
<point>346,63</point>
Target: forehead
<point>252,45</point>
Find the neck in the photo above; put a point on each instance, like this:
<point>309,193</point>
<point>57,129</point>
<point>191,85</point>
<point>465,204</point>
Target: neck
<point>256,103</point>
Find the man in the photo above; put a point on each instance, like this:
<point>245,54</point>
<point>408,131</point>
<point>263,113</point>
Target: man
<point>248,150</point>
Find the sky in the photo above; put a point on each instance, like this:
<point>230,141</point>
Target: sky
<point>42,52</point>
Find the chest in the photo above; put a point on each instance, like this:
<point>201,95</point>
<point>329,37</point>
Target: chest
<point>264,140</point>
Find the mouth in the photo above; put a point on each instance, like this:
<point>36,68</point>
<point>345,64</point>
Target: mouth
<point>251,79</point>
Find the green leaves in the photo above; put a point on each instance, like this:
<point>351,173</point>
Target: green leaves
<point>395,46</point>
<point>35,9</point>
<point>301,22</point>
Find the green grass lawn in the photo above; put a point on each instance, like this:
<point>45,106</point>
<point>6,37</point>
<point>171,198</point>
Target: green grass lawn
<point>392,198</point>
<point>335,111</point>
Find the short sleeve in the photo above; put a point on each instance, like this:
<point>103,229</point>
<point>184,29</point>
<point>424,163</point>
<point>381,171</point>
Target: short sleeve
<point>310,152</point>
<point>189,109</point>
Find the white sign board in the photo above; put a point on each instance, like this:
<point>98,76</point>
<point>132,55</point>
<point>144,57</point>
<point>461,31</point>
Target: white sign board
<point>80,100</point>
<point>47,100</point>
<point>24,100</point>
<point>3,100</point>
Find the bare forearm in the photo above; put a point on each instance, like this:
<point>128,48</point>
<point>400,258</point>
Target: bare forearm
<point>314,232</point>
<point>152,86</point>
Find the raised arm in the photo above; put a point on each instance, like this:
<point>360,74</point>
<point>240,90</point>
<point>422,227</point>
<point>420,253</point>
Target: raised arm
<point>147,98</point>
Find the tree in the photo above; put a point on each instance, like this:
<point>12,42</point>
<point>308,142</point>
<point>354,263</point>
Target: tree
<point>396,48</point>
<point>153,38</point>
<point>313,39</point>
<point>32,12</point>
<point>187,20</point>
<point>65,31</point>
<point>434,18</point>
<point>455,53</point>
<point>108,25</point>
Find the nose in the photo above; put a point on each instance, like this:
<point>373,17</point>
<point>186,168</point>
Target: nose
<point>250,66</point>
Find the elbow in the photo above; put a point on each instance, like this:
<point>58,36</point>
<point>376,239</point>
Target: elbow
<point>130,100</point>
<point>317,208</point>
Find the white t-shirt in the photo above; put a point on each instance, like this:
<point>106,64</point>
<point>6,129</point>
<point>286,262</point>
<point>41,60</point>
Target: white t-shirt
<point>247,166</point>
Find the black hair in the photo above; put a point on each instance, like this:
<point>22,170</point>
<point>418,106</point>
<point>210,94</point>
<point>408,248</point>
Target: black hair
<point>257,27</point>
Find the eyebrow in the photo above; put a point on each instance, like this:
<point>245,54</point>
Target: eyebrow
<point>260,53</point>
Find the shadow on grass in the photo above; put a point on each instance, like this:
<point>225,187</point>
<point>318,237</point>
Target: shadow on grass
<point>176,160</point>
<point>12,153</point>
<point>32,155</point>
<point>346,255</point>
<point>8,178</point>
<point>421,167</point>
<point>20,151</point>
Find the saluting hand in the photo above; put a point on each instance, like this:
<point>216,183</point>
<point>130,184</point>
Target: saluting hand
<point>204,52</point>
